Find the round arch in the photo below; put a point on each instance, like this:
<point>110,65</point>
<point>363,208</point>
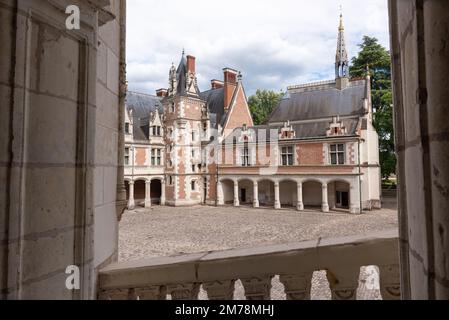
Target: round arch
<point>339,192</point>
<point>246,190</point>
<point>312,193</point>
<point>227,185</point>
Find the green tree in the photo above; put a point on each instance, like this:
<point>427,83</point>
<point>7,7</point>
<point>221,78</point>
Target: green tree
<point>378,59</point>
<point>262,103</point>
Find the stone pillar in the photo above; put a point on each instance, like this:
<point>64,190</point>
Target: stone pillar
<point>257,288</point>
<point>188,291</point>
<point>299,204</point>
<point>147,194</point>
<point>256,194</point>
<point>220,290</point>
<point>325,205</point>
<point>236,194</point>
<point>163,192</point>
<point>354,199</point>
<point>277,201</point>
<point>297,286</point>
<point>220,197</point>
<point>131,203</point>
<point>420,74</point>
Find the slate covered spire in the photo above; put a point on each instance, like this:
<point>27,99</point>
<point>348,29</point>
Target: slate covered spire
<point>341,58</point>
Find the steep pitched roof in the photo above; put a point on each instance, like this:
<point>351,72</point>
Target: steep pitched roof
<point>318,102</point>
<point>215,102</point>
<point>142,105</point>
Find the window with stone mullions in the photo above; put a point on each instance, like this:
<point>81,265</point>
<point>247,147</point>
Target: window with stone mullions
<point>245,156</point>
<point>337,153</point>
<point>156,157</point>
<point>287,156</point>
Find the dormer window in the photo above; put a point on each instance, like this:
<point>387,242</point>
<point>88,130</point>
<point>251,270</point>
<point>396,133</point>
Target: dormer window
<point>156,131</point>
<point>287,131</point>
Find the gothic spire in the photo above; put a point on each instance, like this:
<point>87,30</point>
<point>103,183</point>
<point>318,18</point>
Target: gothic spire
<point>341,59</point>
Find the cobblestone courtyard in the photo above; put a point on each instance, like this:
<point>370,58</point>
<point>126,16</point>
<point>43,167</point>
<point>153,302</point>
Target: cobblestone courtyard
<point>162,231</point>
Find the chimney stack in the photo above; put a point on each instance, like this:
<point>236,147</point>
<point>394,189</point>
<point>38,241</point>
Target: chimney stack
<point>162,92</point>
<point>191,64</point>
<point>230,83</point>
<point>216,84</point>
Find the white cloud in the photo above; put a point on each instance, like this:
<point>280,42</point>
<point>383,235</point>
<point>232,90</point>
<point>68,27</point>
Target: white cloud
<point>274,43</point>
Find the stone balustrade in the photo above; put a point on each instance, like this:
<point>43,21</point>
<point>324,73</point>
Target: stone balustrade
<point>294,263</point>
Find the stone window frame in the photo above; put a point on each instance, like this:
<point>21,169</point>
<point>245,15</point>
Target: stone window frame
<point>289,156</point>
<point>337,153</point>
<point>193,187</point>
<point>245,156</point>
<point>156,157</point>
<point>127,156</point>
<point>127,127</point>
<point>156,131</point>
<point>171,107</point>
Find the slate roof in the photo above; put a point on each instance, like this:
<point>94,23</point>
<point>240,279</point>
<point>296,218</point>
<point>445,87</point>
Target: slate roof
<point>215,103</point>
<point>142,105</point>
<point>321,103</point>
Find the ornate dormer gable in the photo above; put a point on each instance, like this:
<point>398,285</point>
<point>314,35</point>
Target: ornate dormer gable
<point>191,83</point>
<point>246,135</point>
<point>336,127</point>
<point>156,118</point>
<point>173,81</point>
<point>287,132</point>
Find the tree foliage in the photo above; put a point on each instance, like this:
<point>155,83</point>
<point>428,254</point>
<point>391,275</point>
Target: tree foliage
<point>262,103</point>
<point>378,59</point>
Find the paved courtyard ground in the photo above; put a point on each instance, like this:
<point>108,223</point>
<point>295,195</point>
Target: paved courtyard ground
<point>162,231</point>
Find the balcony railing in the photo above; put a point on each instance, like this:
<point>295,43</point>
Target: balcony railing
<point>181,276</point>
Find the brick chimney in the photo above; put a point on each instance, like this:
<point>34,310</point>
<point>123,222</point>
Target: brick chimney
<point>191,64</point>
<point>230,83</point>
<point>215,84</point>
<point>161,92</point>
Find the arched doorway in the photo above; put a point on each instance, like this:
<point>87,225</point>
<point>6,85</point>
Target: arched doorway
<point>288,193</point>
<point>246,189</point>
<point>312,194</point>
<point>156,191</point>
<point>228,191</point>
<point>266,193</point>
<point>339,194</point>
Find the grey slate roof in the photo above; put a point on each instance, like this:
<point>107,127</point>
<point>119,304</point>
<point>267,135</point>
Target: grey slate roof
<point>320,103</point>
<point>215,103</point>
<point>142,105</point>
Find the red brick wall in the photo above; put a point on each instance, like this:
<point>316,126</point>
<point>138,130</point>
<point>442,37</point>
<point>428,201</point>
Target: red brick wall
<point>310,153</point>
<point>141,156</point>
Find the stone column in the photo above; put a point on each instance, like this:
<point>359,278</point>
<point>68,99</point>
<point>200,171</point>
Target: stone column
<point>257,288</point>
<point>220,290</point>
<point>131,203</point>
<point>256,194</point>
<point>163,192</point>
<point>277,202</point>
<point>220,198</point>
<point>299,204</point>
<point>236,194</point>
<point>147,194</point>
<point>344,283</point>
<point>354,199</point>
<point>390,287</point>
<point>297,286</point>
<point>325,205</point>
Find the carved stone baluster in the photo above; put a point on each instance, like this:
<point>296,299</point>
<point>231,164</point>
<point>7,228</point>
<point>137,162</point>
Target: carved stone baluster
<point>116,294</point>
<point>188,291</point>
<point>390,287</point>
<point>344,283</point>
<point>220,290</point>
<point>297,286</point>
<point>151,293</point>
<point>257,288</point>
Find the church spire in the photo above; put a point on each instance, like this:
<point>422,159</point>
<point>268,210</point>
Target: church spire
<point>341,58</point>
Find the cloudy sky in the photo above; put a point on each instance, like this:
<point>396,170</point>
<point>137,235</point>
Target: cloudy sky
<point>274,43</point>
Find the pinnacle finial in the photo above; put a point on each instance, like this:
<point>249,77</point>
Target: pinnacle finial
<point>183,51</point>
